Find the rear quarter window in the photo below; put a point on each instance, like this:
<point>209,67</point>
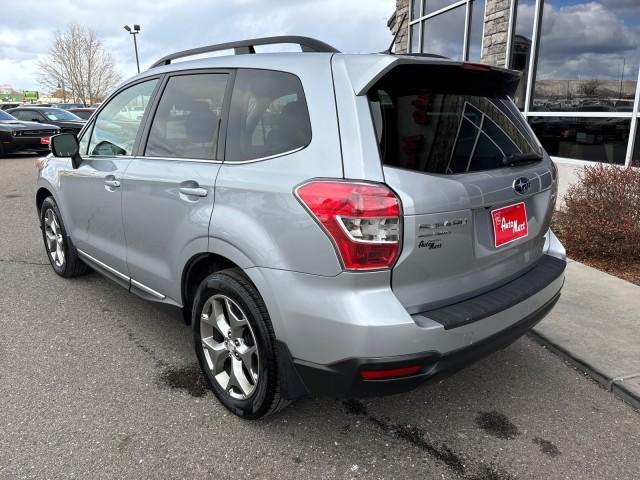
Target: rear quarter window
<point>268,116</point>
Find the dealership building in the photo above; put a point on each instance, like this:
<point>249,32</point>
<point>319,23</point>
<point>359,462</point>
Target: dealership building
<point>580,64</point>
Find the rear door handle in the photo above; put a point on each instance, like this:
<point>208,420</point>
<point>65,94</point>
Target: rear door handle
<point>194,191</point>
<point>112,183</point>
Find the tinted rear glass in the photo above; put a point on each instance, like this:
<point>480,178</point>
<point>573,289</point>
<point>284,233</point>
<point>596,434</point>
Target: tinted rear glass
<point>447,133</point>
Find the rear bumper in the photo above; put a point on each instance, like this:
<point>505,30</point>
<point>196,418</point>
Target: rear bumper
<point>328,328</point>
<point>24,144</point>
<point>342,378</point>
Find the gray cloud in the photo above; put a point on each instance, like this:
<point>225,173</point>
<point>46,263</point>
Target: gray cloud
<point>171,25</point>
<point>587,40</point>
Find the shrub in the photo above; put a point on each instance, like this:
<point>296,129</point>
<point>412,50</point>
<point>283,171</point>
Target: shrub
<point>601,217</point>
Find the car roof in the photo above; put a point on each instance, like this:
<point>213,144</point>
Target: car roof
<point>35,107</point>
<point>363,68</point>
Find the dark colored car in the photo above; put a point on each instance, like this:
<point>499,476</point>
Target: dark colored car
<point>83,113</point>
<point>69,106</point>
<point>17,136</point>
<point>7,106</point>
<point>66,121</point>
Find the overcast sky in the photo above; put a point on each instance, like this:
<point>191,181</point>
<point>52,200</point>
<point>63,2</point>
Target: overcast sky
<point>586,39</point>
<point>27,26</point>
<point>580,38</point>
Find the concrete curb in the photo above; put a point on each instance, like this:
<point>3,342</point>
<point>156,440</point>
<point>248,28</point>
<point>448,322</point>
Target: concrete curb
<point>620,387</point>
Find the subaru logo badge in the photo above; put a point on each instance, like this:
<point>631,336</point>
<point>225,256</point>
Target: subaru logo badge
<point>521,185</point>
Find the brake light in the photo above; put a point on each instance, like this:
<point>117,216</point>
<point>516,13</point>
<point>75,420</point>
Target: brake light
<point>362,220</point>
<point>475,66</point>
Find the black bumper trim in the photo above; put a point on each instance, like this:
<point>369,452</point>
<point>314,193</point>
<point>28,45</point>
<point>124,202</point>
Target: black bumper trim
<point>543,273</point>
<point>341,379</point>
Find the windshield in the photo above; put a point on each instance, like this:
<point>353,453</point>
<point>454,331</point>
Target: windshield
<point>59,114</point>
<point>5,116</point>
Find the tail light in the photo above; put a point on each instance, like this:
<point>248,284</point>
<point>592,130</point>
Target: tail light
<point>362,220</point>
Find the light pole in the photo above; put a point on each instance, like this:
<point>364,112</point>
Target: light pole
<point>64,96</point>
<point>134,31</point>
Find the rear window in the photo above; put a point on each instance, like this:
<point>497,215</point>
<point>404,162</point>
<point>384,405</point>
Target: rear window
<point>447,133</point>
<point>268,115</point>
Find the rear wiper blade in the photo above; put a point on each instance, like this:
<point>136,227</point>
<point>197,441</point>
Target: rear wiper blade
<point>515,158</point>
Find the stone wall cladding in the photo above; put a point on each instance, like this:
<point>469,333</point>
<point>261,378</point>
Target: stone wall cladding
<point>401,45</point>
<point>496,30</point>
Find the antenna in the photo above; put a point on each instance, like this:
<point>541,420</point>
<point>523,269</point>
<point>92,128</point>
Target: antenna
<point>388,50</point>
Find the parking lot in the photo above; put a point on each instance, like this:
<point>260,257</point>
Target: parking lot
<point>95,381</point>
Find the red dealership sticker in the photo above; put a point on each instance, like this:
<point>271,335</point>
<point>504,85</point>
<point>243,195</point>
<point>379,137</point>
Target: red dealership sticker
<point>509,223</point>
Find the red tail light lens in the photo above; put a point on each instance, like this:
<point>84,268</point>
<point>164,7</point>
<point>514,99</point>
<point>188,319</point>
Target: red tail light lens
<point>362,219</point>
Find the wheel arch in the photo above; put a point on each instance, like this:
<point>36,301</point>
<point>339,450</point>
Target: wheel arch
<point>198,267</point>
<point>41,194</point>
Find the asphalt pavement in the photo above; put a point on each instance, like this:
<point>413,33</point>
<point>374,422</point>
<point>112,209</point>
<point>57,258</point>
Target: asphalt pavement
<point>95,382</point>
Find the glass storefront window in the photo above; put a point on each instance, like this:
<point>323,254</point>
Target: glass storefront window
<point>415,38</point>
<point>521,46</point>
<point>444,34</point>
<point>477,29</point>
<point>594,139</point>
<point>415,9</point>
<point>588,56</point>
<point>431,6</point>
<point>635,156</point>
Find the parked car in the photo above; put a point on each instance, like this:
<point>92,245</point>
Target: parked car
<point>69,106</point>
<point>7,106</point>
<point>17,136</point>
<point>83,113</point>
<point>330,224</point>
<point>66,121</point>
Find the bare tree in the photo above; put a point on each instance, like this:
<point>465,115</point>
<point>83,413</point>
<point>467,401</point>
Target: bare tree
<point>589,88</point>
<point>78,64</point>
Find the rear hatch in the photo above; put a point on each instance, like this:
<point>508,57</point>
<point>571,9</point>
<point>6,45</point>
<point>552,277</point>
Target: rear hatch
<point>477,189</point>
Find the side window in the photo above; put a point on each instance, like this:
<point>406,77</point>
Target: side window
<point>268,115</point>
<point>84,140</point>
<point>23,115</point>
<point>186,122</point>
<point>116,127</point>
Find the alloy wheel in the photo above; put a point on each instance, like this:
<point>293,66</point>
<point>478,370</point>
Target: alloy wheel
<point>54,238</point>
<point>229,346</point>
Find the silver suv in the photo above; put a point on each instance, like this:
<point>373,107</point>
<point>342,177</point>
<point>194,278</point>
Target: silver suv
<point>330,224</point>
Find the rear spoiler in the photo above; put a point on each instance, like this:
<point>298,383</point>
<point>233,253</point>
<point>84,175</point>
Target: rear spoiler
<point>428,72</point>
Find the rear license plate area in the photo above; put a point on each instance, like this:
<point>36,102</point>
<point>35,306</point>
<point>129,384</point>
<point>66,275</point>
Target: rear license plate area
<point>509,224</point>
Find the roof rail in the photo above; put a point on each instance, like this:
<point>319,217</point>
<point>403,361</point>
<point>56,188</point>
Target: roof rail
<point>248,46</point>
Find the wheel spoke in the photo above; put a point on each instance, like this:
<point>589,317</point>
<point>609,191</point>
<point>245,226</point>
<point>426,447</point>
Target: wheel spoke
<point>221,323</point>
<point>207,317</point>
<point>238,377</point>
<point>217,354</point>
<point>236,319</point>
<point>246,356</point>
<point>60,254</point>
<point>51,241</point>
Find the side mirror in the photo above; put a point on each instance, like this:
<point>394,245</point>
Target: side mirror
<point>66,145</point>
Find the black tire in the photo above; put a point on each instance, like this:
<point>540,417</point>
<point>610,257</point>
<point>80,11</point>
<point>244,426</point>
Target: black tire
<point>265,399</point>
<point>72,265</point>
